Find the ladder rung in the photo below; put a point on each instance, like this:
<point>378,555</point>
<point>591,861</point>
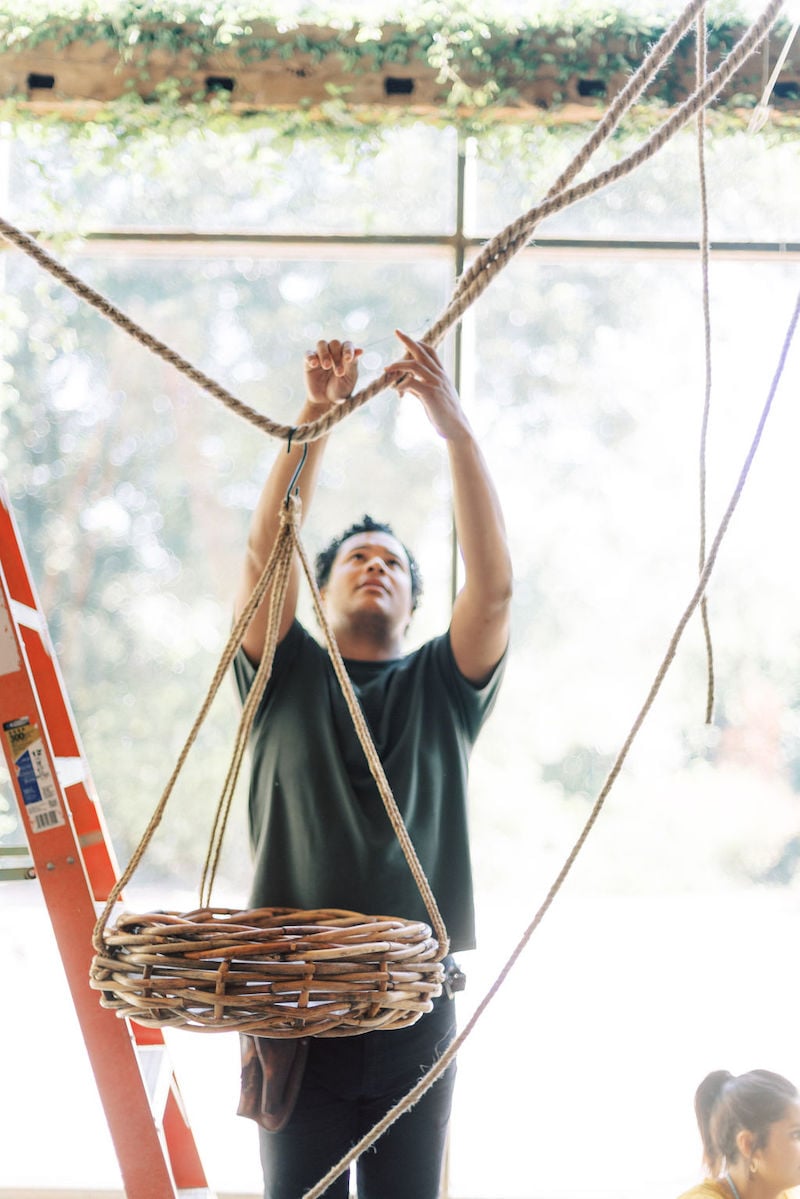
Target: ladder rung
<point>29,618</point>
<point>9,874</point>
<point>151,1136</point>
<point>24,871</point>
<point>71,771</point>
<point>157,1074</point>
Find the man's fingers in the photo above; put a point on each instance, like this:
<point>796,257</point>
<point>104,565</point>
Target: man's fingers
<point>320,357</point>
<point>324,354</point>
<point>417,349</point>
<point>409,366</point>
<point>332,355</point>
<point>343,353</point>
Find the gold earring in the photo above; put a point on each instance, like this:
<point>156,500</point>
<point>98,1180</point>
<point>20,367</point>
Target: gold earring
<point>753,1166</point>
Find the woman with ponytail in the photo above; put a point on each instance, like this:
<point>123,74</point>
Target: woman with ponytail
<point>750,1128</point>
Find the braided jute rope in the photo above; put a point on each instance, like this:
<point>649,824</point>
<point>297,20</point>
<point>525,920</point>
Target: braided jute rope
<point>250,707</point>
<point>449,1054</point>
<point>275,972</point>
<point>761,111</point>
<point>702,69</point>
<point>625,98</point>
<point>373,760</point>
<point>281,548</point>
<point>289,544</point>
<point>496,254</point>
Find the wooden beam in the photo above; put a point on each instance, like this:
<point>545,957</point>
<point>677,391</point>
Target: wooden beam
<point>79,79</point>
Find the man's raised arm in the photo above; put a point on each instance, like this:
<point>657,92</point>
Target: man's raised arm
<point>331,371</point>
<point>479,626</point>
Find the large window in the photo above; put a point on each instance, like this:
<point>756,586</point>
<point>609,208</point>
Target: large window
<point>669,951</point>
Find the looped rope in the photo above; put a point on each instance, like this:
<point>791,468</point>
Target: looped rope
<point>375,766</point>
<point>625,98</point>
<point>275,575</point>
<point>442,1063</point>
<point>499,251</point>
<point>496,254</point>
<point>228,654</point>
<point>702,70</point>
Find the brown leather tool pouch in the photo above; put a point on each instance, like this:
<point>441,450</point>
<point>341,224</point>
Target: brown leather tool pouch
<point>272,1071</point>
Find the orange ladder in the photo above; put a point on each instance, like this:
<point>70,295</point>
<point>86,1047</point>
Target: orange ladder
<point>70,854</point>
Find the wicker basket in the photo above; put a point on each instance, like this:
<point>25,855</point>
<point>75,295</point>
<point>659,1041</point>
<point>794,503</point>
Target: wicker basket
<point>274,972</point>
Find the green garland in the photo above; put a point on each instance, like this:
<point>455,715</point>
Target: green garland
<point>482,59</point>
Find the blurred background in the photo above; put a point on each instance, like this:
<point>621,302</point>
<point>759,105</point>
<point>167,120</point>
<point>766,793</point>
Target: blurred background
<point>672,949</point>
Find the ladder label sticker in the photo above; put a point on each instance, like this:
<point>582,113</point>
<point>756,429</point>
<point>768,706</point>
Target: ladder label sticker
<point>9,650</point>
<point>36,783</point>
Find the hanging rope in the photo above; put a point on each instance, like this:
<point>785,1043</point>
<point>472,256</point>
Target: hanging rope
<point>373,759</point>
<point>702,69</point>
<point>280,549</point>
<point>622,102</point>
<point>276,575</point>
<point>274,972</point>
<point>290,521</point>
<point>495,255</point>
<point>436,1071</point>
<point>278,590</point>
<point>761,111</point>
<point>493,258</point>
<point>498,252</point>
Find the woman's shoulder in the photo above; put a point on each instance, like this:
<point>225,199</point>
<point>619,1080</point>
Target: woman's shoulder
<point>716,1189</point>
<point>710,1189</point>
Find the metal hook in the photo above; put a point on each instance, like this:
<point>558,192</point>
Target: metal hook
<point>298,468</point>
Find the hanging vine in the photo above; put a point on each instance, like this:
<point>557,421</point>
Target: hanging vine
<point>481,66</point>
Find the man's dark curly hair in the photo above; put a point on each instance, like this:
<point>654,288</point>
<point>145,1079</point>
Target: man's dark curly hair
<point>324,559</point>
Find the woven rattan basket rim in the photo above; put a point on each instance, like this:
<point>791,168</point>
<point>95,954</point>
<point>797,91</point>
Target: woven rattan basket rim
<point>271,971</point>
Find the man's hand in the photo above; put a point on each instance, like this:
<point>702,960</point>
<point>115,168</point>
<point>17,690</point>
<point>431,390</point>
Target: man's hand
<point>421,373</point>
<point>330,376</point>
<point>331,372</point>
<point>479,624</point>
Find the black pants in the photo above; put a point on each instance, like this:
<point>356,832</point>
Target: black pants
<point>349,1084</point>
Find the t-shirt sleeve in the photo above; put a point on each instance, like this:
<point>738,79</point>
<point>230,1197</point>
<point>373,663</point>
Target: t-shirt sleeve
<point>473,704</point>
<point>244,671</point>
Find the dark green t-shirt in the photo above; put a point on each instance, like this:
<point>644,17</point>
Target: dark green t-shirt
<point>320,834</point>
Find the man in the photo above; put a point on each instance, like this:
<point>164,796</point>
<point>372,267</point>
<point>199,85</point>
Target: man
<point>320,835</point>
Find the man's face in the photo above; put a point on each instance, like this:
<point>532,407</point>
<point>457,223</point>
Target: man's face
<point>370,580</point>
